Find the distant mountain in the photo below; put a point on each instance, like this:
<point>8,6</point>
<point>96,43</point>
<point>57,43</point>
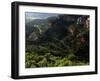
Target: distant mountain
<point>36,24</point>
<point>31,25</point>
<point>59,27</point>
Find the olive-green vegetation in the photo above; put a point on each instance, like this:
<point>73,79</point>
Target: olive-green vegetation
<point>64,42</point>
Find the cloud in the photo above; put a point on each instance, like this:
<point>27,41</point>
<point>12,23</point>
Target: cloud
<point>36,15</point>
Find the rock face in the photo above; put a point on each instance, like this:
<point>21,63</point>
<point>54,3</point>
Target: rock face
<point>35,34</point>
<point>63,25</point>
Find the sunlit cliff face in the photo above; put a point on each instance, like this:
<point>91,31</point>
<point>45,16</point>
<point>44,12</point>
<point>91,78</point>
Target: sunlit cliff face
<point>71,29</point>
<point>87,23</point>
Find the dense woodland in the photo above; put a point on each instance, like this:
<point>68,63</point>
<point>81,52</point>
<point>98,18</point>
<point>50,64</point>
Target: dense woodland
<point>57,41</point>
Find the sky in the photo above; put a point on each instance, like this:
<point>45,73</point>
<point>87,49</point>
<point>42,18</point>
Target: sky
<point>36,15</point>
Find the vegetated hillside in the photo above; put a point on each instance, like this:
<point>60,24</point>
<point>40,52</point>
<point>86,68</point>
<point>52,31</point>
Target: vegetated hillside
<point>58,41</point>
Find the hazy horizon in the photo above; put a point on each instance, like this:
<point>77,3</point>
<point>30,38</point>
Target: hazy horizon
<point>36,15</point>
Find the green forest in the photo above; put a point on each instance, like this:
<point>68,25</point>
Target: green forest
<point>57,41</point>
